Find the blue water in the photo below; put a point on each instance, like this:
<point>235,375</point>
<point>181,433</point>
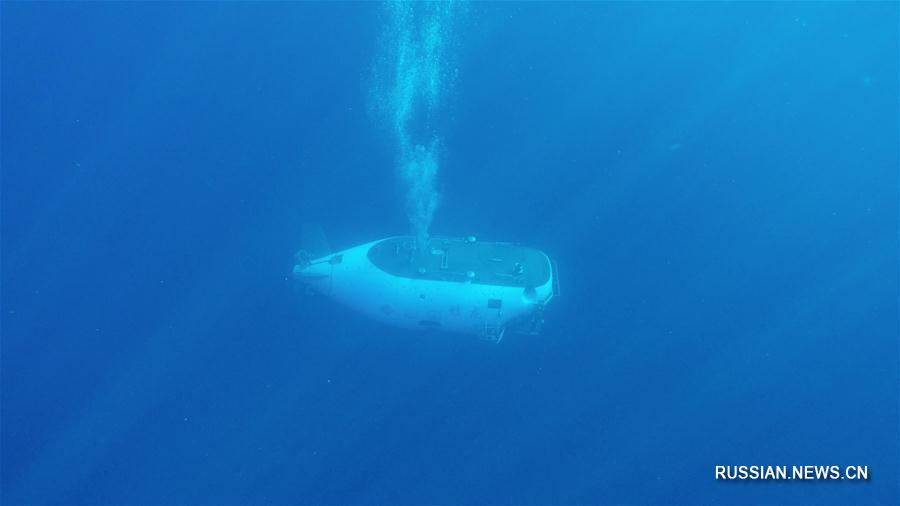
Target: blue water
<point>717,181</point>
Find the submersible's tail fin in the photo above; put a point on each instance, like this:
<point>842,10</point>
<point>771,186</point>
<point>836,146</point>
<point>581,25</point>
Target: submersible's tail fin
<point>313,244</point>
<point>313,241</point>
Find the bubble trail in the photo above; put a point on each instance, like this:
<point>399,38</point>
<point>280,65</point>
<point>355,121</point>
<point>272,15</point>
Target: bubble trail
<point>409,81</point>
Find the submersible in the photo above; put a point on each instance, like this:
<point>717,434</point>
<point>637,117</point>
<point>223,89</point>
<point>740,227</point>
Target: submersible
<point>459,285</point>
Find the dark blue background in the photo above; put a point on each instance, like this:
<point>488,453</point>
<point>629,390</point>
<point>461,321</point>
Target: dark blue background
<point>718,183</point>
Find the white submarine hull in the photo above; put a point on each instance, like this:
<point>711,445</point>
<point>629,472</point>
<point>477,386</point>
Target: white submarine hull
<point>452,284</point>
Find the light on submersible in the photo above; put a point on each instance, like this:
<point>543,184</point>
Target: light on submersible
<point>457,285</point>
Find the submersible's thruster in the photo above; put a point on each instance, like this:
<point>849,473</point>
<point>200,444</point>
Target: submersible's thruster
<point>450,284</point>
